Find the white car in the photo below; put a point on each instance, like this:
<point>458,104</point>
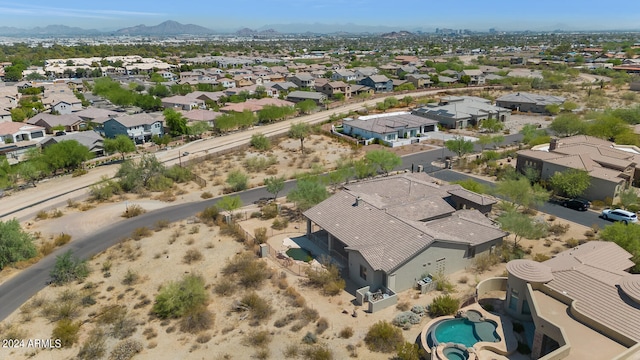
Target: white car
<point>619,215</point>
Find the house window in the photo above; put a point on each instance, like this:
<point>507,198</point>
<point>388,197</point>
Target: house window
<point>472,252</point>
<point>363,272</point>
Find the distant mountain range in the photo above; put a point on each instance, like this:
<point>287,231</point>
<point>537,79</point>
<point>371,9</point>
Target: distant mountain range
<point>172,28</point>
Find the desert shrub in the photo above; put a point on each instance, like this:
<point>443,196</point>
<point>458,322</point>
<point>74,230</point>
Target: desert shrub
<point>443,283</point>
<point>161,224</point>
<point>259,338</point>
<point>484,262</point>
<point>259,163</point>
<point>15,243</point>
<point>285,320</point>
<point>67,331</point>
<point>251,271</point>
<point>94,347</point>
<point>541,257</point>
<point>406,319</point>
<point>46,248</point>
<point>346,332</point>
<point>237,180</point>
<point>260,235</point>
<point>130,278</point>
<point>209,215</point>
<point>558,228</point>
<point>571,243</point>
<point>203,338</point>
<point>408,351</point>
<point>133,211</point>
<point>280,223</point>
<point>125,350</point>
<point>104,190</point>
<point>444,305</point>
<point>403,305</point>
<point>291,351</point>
<point>61,239</point>
<point>597,204</point>
<point>310,338</point>
<point>309,314</point>
<point>192,255</point>
<point>179,174</point>
<point>260,142</point>
<point>327,279</point>
<point>196,320</point>
<point>270,211</point>
<point>206,195</point>
<point>589,234</point>
<point>42,215</point>
<point>260,308</point>
<point>383,337</point>
<point>463,279</point>
<point>177,298</point>
<point>124,326</point>
<point>318,352</point>
<point>68,268</point>
<point>224,287</point>
<point>141,232</point>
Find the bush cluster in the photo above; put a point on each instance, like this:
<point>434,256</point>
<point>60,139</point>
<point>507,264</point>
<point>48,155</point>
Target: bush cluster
<point>383,337</point>
<point>327,279</point>
<point>177,299</point>
<point>444,305</point>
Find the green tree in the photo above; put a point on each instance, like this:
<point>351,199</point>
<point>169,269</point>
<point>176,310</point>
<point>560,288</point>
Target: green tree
<point>177,299</point>
<point>18,114</point>
<point>521,225</point>
<point>459,145</point>
<point>306,106</point>
<point>309,192</point>
<point>66,155</point>
<point>521,192</point>
<point>122,144</point>
<point>176,122</point>
<point>13,73</point>
<point>472,185</point>
<point>159,90</point>
<point>260,142</point>
<point>530,132</point>
<point>30,172</point>
<point>274,185</point>
<point>15,244</point>
<point>146,173</point>
<point>163,140</point>
<point>625,236</point>
<point>383,160</point>
<point>569,106</point>
<point>628,198</point>
<point>157,78</point>
<point>300,131</point>
<point>553,109</point>
<point>230,204</point>
<point>198,128</point>
<point>568,125</point>
<point>492,125</point>
<point>571,183</point>
<point>484,140</point>
<point>237,180</point>
<point>68,268</point>
<point>465,79</point>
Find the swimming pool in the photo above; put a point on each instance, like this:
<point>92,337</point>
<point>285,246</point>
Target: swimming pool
<point>299,254</point>
<point>453,353</point>
<point>463,331</point>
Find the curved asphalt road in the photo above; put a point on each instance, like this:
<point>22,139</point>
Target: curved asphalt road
<point>17,290</point>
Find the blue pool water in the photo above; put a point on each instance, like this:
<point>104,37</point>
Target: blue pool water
<point>465,332</point>
<point>455,354</point>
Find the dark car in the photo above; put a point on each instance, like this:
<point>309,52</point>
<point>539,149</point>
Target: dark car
<point>576,204</point>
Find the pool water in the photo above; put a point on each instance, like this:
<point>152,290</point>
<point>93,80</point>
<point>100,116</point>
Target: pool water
<point>465,332</point>
<point>299,254</point>
<point>453,353</point>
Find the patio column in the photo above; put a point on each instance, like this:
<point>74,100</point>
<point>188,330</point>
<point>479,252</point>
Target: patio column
<point>329,242</point>
<point>308,227</point>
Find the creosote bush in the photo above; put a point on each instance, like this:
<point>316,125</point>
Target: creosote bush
<point>67,331</point>
<point>133,211</point>
<point>251,271</point>
<point>327,279</point>
<point>383,337</point>
<point>191,256</point>
<point>196,320</point>
<point>444,305</point>
<point>176,299</point>
<point>125,350</point>
<point>260,308</point>
<point>209,215</point>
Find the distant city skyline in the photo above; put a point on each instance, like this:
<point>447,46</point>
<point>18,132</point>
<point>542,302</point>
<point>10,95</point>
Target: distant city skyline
<point>475,15</point>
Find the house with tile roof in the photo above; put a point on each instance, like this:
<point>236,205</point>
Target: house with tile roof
<point>612,168</point>
<point>379,83</point>
<point>583,302</point>
<point>14,132</point>
<point>139,127</point>
<point>390,232</point>
<point>70,122</point>
<point>89,139</point>
<point>390,128</point>
<point>528,102</point>
<point>458,112</point>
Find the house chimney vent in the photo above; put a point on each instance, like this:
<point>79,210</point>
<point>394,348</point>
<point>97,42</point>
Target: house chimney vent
<point>358,199</point>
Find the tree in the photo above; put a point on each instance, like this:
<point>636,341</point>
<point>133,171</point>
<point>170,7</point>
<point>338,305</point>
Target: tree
<point>68,268</point>
<point>13,73</point>
<point>492,125</point>
<point>157,78</point>
<point>67,155</point>
<point>484,140</point>
<point>497,140</point>
<point>177,299</point>
<point>530,132</point>
<point>625,236</point>
<point>161,140</point>
<point>198,128</point>
<point>237,180</point>
<point>571,183</point>
<point>472,185</point>
<point>628,198</point>
<point>569,106</point>
<point>383,160</point>
<point>30,172</point>
<point>300,131</point>
<point>566,125</point>
<point>230,204</point>
<point>176,122</point>
<point>147,173</point>
<point>306,106</point>
<point>459,145</point>
<point>465,79</point>
<point>274,185</point>
<point>308,193</point>
<point>407,100</point>
<point>521,225</point>
<point>553,109</point>
<point>521,192</point>
<point>15,244</point>
<point>122,144</point>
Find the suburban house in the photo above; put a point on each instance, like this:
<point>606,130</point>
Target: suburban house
<point>477,76</point>
<point>182,102</point>
<point>284,86</point>
<point>92,113</point>
<point>89,139</point>
<point>196,115</point>
<point>458,112</point>
<point>68,122</point>
<point>393,129</point>
<point>139,127</point>
<point>226,83</point>
<point>583,302</point>
<point>255,105</point>
<point>15,132</point>
<point>528,102</point>
<point>612,168</point>
<point>390,232</point>
<point>419,80</point>
<point>332,88</point>
<point>379,83</point>
<point>303,80</point>
<point>361,90</point>
<point>62,103</point>
<point>205,96</point>
<point>343,75</point>
<point>298,96</point>
<point>364,72</point>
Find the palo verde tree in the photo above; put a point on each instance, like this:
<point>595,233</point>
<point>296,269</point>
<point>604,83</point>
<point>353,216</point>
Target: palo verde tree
<point>521,193</point>
<point>309,192</point>
<point>571,183</point>
<point>383,160</point>
<point>625,236</point>
<point>300,131</point>
<point>459,145</point>
<point>122,144</point>
<point>15,243</point>
<point>66,155</point>
<point>492,125</point>
<point>521,225</point>
<point>230,204</point>
<point>274,185</point>
<point>565,125</point>
<point>306,106</point>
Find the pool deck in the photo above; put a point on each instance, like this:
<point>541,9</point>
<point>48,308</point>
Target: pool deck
<point>585,342</point>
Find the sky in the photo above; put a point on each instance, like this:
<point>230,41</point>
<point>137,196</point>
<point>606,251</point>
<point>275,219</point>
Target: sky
<point>412,14</point>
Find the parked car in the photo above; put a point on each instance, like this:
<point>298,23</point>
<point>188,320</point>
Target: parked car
<point>576,204</point>
<point>619,215</point>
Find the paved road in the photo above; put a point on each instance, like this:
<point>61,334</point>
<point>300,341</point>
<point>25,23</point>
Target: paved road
<point>20,288</point>
<point>586,218</point>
